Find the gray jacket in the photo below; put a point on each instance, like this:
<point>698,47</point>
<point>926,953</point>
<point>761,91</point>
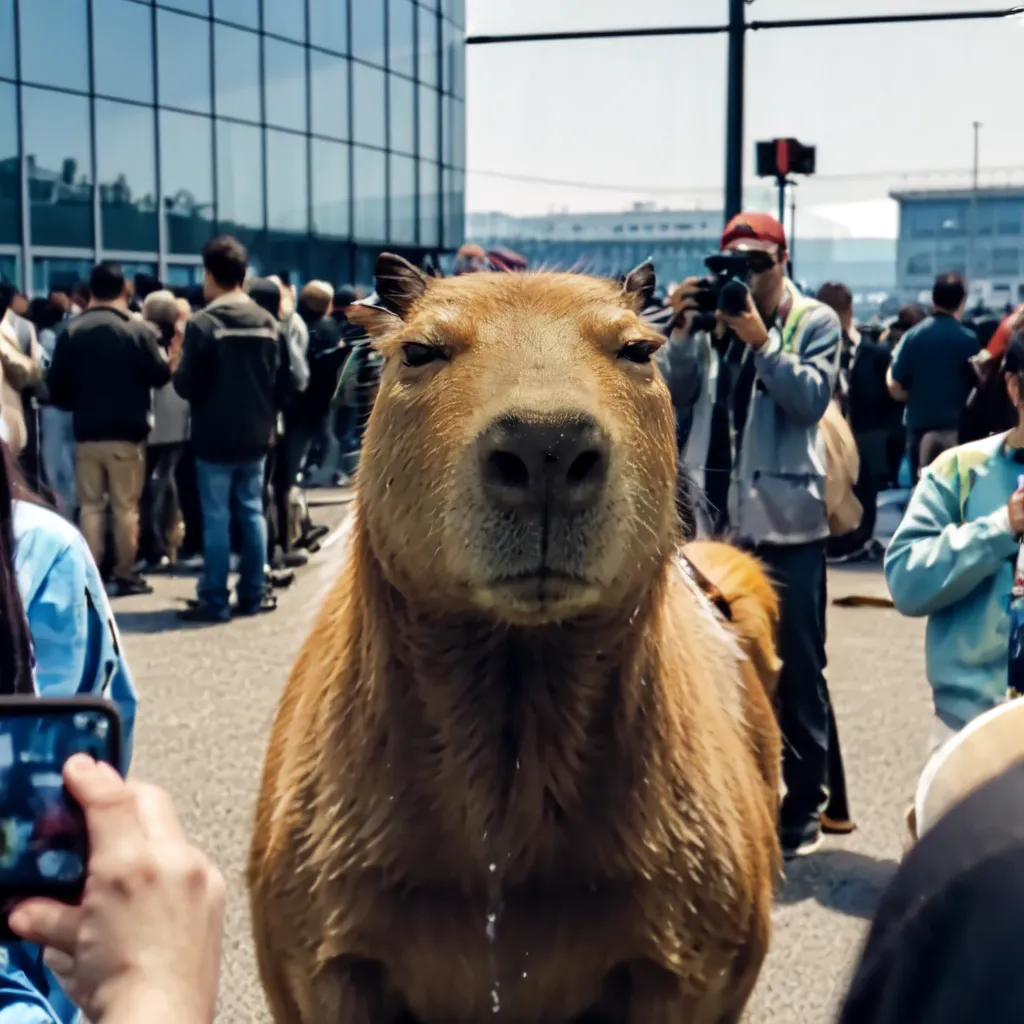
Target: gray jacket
<point>777,493</point>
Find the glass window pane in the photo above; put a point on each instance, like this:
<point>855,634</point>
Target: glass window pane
<point>402,106</point>
<point>287,183</point>
<point>126,175</point>
<point>54,43</point>
<point>402,227</point>
<point>368,30</point>
<point>285,74</point>
<point>430,204</point>
<point>239,180</point>
<point>237,73</point>
<point>184,275</point>
<point>8,65</point>
<point>402,37</point>
<point>329,94</point>
<point>58,148</point>
<point>454,60</point>
<point>10,179</point>
<point>429,46</point>
<point>123,49</point>
<point>369,108</point>
<point>454,132</point>
<point>328,24</point>
<point>186,178</point>
<point>429,124</point>
<point>48,274</point>
<point>331,200</point>
<point>285,18</point>
<point>239,12</point>
<point>192,6</point>
<point>454,207</point>
<point>369,195</point>
<point>183,43</point>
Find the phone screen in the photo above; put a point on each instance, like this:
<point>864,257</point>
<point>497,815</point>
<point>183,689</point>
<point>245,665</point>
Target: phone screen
<point>43,843</point>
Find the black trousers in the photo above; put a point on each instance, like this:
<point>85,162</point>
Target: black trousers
<point>289,456</point>
<point>803,705</point>
<point>160,506</point>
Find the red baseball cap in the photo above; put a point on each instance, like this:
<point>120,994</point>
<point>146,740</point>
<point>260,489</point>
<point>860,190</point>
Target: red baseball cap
<point>754,232</point>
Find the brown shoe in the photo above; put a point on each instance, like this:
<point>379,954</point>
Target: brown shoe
<point>833,827</point>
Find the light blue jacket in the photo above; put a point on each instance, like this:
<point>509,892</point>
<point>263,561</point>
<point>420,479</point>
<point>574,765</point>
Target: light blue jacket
<point>78,651</point>
<point>952,559</point>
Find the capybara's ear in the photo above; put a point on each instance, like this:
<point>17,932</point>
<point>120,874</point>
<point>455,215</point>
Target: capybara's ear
<point>375,320</point>
<point>399,283</point>
<point>639,285</point>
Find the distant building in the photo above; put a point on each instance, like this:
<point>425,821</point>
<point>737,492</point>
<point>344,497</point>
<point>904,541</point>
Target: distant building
<point>678,242</point>
<point>978,235</point>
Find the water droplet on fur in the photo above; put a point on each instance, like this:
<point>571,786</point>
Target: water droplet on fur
<point>633,617</point>
<point>517,764</point>
<point>492,868</point>
<point>643,682</point>
<point>495,908</point>
<point>492,920</point>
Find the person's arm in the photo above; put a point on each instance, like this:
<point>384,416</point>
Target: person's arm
<point>155,361</point>
<point>897,379</point>
<point>682,361</point>
<point>61,376</point>
<point>802,382</point>
<point>22,370</point>
<point>934,559</point>
<point>298,347</point>
<point>192,379</point>
<point>77,646</point>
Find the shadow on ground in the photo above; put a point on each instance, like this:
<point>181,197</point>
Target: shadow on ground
<point>157,620</point>
<point>850,883</point>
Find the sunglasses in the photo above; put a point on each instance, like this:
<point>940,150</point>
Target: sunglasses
<point>760,262</point>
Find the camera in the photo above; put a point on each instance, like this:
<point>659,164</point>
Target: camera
<point>724,289</point>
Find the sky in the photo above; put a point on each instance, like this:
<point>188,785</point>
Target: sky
<point>643,120</point>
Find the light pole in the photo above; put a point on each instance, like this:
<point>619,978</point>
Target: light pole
<point>973,230</point>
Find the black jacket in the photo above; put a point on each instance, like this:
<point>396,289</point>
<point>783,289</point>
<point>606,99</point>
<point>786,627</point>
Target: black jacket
<point>105,364</point>
<point>233,374</point>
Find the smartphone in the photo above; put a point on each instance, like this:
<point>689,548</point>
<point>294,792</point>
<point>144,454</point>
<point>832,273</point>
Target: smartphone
<point>44,849</point>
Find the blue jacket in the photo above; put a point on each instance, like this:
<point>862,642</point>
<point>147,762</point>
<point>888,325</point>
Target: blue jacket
<point>952,559</point>
<point>78,651</point>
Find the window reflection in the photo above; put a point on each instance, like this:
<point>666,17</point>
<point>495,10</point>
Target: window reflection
<point>186,178</point>
<point>454,58</point>
<point>55,57</point>
<point>239,180</point>
<point>402,37</point>
<point>192,6</point>
<point>284,70</point>
<point>368,30</point>
<point>58,161</point>
<point>8,65</point>
<point>287,195</point>
<point>123,49</point>
<point>369,195</point>
<point>126,175</point>
<point>184,275</point>
<point>429,46</point>
<point>10,178</point>
<point>240,12</point>
<point>328,24</point>
<point>237,55</point>
<point>183,62</point>
<point>48,274</point>
<point>369,108</point>
<point>331,203</point>
<point>402,104</point>
<point>9,270</point>
<point>429,124</point>
<point>454,132</point>
<point>285,18</point>
<point>329,91</point>
<point>402,226</point>
<point>430,204</point>
<point>454,208</point>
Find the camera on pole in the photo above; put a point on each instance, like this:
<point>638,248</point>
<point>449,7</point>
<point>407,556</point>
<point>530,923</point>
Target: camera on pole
<point>779,159</point>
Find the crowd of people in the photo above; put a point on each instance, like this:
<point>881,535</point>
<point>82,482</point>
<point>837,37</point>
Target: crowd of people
<point>180,425</point>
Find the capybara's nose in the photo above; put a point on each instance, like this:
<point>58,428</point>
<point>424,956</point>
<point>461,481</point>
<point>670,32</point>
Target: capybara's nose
<point>544,465</point>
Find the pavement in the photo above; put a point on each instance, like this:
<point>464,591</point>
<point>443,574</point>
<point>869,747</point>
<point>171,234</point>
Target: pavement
<point>208,696</point>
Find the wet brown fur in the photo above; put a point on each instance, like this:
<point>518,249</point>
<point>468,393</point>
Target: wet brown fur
<point>601,777</point>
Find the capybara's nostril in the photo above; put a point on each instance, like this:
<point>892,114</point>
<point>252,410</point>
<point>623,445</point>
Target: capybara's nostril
<point>506,469</point>
<point>544,464</point>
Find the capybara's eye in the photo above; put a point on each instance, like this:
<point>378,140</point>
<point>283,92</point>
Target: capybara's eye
<point>638,351</point>
<point>417,354</point>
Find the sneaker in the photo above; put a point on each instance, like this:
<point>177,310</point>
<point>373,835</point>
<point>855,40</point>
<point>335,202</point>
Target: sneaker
<point>836,826</point>
<point>341,480</point>
<point>291,560</point>
<point>197,611</point>
<point>803,847</point>
<point>192,562</point>
<point>246,609</point>
<point>131,587</point>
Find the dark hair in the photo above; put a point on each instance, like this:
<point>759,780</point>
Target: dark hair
<point>949,291</point>
<point>44,313</point>
<point>81,293</point>
<point>836,295</point>
<point>15,640</point>
<point>344,295</point>
<point>145,285</point>
<point>106,282</point>
<point>226,260</point>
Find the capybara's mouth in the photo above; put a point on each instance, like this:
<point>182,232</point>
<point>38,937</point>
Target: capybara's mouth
<point>543,595</point>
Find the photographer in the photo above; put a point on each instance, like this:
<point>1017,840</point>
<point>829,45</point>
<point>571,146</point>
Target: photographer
<point>753,381</point>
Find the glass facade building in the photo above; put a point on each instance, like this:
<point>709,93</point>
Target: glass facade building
<point>320,132</point>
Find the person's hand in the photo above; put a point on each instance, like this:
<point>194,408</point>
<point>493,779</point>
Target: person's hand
<point>1015,506</point>
<point>145,942</point>
<point>748,326</point>
<point>684,305</point>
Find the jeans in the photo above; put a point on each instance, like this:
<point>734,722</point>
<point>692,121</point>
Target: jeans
<point>59,457</point>
<point>798,572</point>
<point>226,489</point>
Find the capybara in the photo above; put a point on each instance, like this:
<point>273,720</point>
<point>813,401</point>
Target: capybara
<point>523,769</point>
